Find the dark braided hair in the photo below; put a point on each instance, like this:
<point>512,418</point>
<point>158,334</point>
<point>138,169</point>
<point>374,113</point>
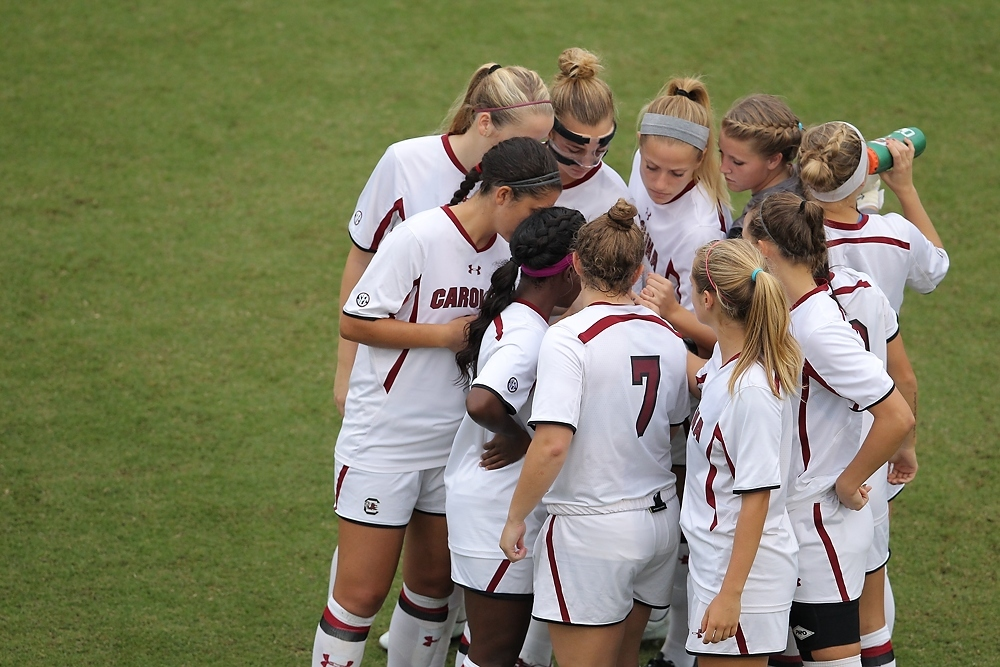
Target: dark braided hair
<point>510,161</point>
<point>544,238</point>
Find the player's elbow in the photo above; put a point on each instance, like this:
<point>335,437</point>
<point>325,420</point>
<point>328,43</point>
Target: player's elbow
<point>483,406</point>
<point>351,328</point>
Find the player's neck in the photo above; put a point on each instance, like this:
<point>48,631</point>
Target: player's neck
<point>731,337</point>
<point>469,147</point>
<point>474,216</point>
<point>541,298</point>
<point>796,279</point>
<point>780,174</point>
<point>845,210</point>
<point>589,295</point>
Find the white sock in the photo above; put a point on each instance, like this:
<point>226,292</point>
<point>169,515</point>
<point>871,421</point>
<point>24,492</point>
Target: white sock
<point>456,605</point>
<point>876,649</point>
<point>537,647</point>
<point>890,604</point>
<point>468,663</point>
<point>333,570</point>
<point>677,620</point>
<point>417,627</point>
<point>463,646</point>
<point>340,637</point>
<point>853,661</point>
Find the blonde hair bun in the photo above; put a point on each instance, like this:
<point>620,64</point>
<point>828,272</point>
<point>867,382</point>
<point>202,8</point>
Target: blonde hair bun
<point>577,63</point>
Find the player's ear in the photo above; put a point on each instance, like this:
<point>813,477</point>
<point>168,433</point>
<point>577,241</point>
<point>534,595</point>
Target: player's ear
<point>484,124</point>
<point>503,195</point>
<point>774,161</point>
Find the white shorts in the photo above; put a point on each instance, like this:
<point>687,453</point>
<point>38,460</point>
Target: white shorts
<point>895,490</point>
<point>386,499</point>
<point>589,569</point>
<point>492,576</point>
<point>878,555</point>
<point>757,634</point>
<point>833,550</point>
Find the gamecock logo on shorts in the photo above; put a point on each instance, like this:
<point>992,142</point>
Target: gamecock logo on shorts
<point>371,505</point>
<point>363,299</point>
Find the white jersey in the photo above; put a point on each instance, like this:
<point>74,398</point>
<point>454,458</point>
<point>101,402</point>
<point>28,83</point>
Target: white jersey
<point>676,230</point>
<point>615,374</point>
<point>739,442</point>
<point>869,312</point>
<point>839,380</point>
<point>412,176</point>
<point>890,249</point>
<point>477,499</point>
<point>594,194</point>
<point>404,406</point>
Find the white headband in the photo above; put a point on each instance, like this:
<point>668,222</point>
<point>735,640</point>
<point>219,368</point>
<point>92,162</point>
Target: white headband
<point>854,182</point>
<point>660,125</point>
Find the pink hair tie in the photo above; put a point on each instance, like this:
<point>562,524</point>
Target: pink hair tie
<point>548,271</point>
<point>512,106</point>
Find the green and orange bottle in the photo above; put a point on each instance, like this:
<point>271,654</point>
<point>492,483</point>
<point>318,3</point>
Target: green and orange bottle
<point>879,157</point>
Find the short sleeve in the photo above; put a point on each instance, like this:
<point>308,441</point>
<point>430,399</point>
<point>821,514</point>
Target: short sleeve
<point>559,390</point>
<point>380,207</point>
<point>929,263</point>
<point>391,276</point>
<point>509,374</point>
<point>836,359</point>
<point>753,418</point>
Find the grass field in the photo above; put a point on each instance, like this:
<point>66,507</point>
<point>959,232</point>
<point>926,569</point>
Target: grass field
<point>175,182</point>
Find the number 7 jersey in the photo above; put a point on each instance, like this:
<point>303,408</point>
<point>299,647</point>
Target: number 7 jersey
<point>616,375</point>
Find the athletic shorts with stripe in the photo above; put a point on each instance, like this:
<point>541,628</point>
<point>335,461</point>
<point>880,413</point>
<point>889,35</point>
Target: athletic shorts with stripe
<point>833,549</point>
<point>386,499</point>
<point>493,576</point>
<point>590,568</point>
<point>762,633</point>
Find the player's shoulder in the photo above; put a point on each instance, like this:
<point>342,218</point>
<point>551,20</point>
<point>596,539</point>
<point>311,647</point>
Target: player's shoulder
<point>416,146</point>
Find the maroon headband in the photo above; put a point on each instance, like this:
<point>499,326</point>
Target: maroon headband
<point>556,268</point>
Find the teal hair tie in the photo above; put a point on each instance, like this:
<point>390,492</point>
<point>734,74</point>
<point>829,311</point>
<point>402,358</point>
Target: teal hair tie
<point>753,276</point>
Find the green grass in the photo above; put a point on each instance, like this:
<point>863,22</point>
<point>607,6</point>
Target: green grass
<point>175,182</point>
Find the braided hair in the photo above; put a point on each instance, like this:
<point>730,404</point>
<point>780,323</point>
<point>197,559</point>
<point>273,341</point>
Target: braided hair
<point>511,163</point>
<point>766,123</point>
<point>544,238</point>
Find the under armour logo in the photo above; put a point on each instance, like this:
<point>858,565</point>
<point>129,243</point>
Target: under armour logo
<point>430,641</point>
<point>478,270</point>
<point>330,663</point>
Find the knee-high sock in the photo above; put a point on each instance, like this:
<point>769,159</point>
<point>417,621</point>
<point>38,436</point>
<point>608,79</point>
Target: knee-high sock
<point>340,637</point>
<point>677,619</point>
<point>890,604</point>
<point>876,649</point>
<point>456,605</point>
<point>463,646</point>
<point>853,661</point>
<point>417,627</point>
<point>789,658</point>
<point>537,647</point>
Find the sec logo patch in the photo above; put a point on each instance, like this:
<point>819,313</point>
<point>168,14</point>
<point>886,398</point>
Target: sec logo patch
<point>512,385</point>
<point>363,299</point>
<point>357,218</point>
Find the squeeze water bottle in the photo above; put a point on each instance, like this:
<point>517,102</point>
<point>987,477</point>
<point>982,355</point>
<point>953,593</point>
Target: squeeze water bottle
<point>879,157</point>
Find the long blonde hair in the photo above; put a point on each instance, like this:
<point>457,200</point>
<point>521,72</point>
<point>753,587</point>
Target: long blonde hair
<point>735,272</point>
<point>687,98</point>
<point>496,87</point>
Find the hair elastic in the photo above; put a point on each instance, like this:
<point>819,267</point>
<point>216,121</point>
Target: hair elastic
<point>660,125</point>
<point>801,128</point>
<point>852,183</point>
<point>512,106</point>
<point>547,271</point>
<point>493,69</point>
<point>684,93</point>
<point>545,179</point>
<point>753,275</point>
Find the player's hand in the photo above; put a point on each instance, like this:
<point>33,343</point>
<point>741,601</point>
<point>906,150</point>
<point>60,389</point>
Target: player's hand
<point>659,295</point>
<point>457,332</point>
<point>512,540</point>
<point>853,499</point>
<point>503,450</point>
<point>900,177</point>
<point>721,619</point>
<point>903,466</point>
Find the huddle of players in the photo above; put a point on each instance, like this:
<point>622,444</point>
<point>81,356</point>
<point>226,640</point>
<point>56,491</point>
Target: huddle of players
<point>805,398</point>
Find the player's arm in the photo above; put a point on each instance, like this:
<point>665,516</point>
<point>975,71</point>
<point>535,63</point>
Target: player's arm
<point>542,464</point>
<point>723,614</point>
<point>658,295</point>
<point>892,421</point>
<point>357,261</point>
<point>904,461</point>
<point>510,441</point>
<point>395,334</point>
<point>899,179</point>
